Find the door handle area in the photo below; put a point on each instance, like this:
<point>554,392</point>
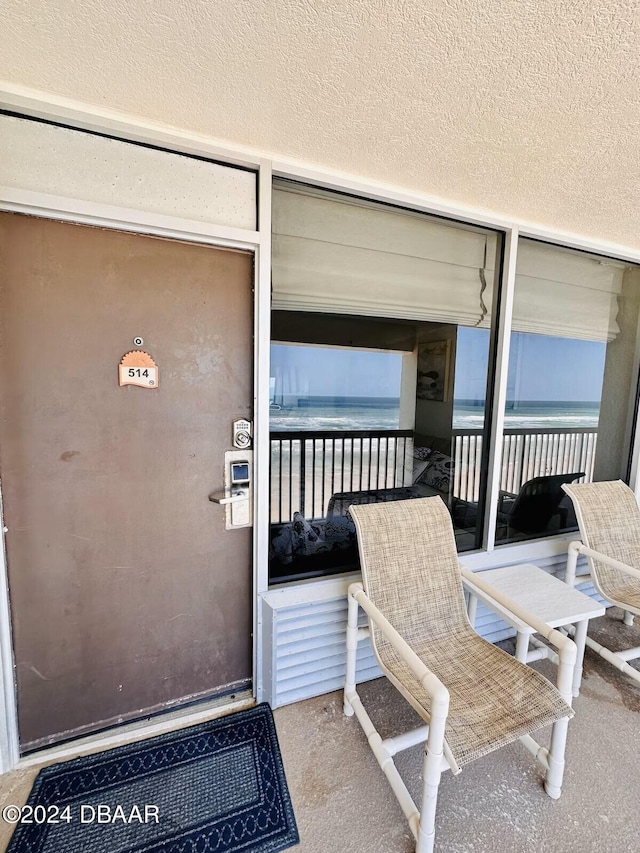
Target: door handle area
<point>236,492</point>
<point>221,498</point>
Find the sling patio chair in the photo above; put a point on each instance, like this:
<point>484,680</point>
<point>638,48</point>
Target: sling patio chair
<point>609,522</point>
<point>472,696</point>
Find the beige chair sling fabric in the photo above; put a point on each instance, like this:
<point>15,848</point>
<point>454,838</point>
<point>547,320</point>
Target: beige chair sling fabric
<point>411,573</point>
<point>609,521</point>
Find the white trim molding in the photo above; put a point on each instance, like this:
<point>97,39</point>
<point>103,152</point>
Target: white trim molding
<point>261,443</point>
<point>9,735</point>
<point>94,119</point>
<point>500,386</point>
<point>124,219</point>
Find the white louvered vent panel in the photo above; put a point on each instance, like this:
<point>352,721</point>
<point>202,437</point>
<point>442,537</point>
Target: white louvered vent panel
<point>306,643</point>
<point>310,651</point>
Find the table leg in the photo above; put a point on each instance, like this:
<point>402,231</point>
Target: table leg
<point>580,637</point>
<point>522,646</point>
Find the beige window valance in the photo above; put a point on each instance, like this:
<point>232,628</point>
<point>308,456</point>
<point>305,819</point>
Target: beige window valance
<point>350,257</point>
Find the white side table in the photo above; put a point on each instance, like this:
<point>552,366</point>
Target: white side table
<point>553,601</point>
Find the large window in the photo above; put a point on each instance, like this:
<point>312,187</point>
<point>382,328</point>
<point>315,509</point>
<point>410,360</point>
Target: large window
<point>381,330</point>
<point>571,385</point>
<point>383,376</point>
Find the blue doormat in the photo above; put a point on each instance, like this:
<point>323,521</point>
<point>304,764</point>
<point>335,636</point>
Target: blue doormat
<point>218,787</point>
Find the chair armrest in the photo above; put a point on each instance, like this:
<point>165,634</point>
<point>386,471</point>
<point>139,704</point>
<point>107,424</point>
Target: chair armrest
<point>565,646</point>
<point>429,681</point>
<point>579,548</point>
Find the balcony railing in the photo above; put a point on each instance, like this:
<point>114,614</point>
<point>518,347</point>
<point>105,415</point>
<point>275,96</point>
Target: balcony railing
<point>526,453</point>
<point>308,467</point>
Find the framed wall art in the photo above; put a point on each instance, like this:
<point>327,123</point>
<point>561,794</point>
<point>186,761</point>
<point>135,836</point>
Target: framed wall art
<point>433,371</point>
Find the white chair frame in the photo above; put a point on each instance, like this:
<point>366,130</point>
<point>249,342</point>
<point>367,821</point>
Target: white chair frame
<point>617,659</point>
<point>437,757</point>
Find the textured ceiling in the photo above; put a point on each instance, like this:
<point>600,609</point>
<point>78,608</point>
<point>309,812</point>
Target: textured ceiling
<point>529,108</point>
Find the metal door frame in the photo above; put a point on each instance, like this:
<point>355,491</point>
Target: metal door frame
<point>257,242</point>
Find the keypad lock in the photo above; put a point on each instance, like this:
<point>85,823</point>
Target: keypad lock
<point>242,430</point>
<point>237,494</point>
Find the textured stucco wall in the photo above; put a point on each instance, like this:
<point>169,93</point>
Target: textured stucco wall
<point>525,107</point>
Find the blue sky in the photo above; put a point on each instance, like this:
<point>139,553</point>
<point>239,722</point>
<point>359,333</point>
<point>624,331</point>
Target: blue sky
<point>327,372</point>
<point>540,368</point>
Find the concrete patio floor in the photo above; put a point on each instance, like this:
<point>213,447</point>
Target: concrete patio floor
<point>497,804</point>
<point>343,802</point>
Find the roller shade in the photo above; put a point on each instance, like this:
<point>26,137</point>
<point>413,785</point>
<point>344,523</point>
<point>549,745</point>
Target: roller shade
<point>351,257</point>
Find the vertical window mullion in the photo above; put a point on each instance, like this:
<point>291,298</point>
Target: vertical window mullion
<point>503,342</point>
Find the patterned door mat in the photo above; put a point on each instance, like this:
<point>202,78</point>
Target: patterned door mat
<point>217,787</point>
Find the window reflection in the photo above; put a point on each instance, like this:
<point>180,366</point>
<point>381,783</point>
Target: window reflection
<point>381,323</point>
<point>558,384</point>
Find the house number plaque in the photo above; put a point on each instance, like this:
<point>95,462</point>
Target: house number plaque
<point>138,368</point>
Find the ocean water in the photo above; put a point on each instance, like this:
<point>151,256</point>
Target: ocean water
<point>532,414</point>
<point>353,413</point>
<point>344,413</point>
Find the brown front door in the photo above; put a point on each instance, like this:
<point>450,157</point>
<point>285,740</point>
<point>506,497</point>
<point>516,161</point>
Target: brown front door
<point>127,593</point>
